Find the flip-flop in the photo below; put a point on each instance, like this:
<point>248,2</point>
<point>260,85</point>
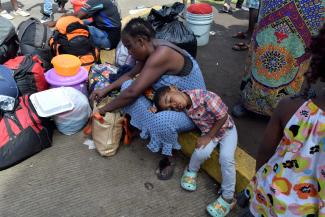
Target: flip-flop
<point>225,11</point>
<point>240,35</point>
<point>165,169</point>
<point>240,47</point>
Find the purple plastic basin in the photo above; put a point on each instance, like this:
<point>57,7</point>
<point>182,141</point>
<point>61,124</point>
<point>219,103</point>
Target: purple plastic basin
<point>77,81</point>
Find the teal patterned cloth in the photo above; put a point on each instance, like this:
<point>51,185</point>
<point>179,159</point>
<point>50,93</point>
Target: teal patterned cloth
<point>277,60</point>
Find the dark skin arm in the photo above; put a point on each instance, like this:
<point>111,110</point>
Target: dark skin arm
<point>274,130</point>
<point>205,139</point>
<point>271,138</point>
<point>162,60</point>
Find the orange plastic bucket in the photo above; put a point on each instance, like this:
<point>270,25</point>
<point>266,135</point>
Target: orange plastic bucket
<point>77,4</point>
<point>66,64</point>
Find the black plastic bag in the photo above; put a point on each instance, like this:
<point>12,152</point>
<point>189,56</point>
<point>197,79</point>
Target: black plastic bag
<point>177,33</point>
<point>165,15</point>
<point>169,28</point>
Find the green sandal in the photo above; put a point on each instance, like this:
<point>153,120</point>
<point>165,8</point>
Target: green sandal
<point>188,181</point>
<point>220,207</point>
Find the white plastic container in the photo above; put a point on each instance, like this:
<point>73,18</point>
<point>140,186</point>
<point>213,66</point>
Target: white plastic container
<point>51,102</point>
<point>200,24</point>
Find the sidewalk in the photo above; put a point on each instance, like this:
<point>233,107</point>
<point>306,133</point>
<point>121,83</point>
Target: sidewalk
<point>70,180</point>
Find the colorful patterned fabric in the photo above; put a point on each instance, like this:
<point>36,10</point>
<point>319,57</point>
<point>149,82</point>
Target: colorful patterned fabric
<point>278,59</point>
<point>292,182</point>
<point>207,107</point>
<point>100,76</point>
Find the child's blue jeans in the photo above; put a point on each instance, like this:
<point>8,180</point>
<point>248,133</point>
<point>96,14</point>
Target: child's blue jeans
<point>47,8</point>
<point>228,146</point>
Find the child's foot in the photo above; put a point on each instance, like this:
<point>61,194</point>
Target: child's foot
<point>188,181</point>
<point>220,207</point>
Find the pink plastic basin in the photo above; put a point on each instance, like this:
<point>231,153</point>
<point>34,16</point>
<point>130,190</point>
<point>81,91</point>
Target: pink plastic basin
<point>77,81</point>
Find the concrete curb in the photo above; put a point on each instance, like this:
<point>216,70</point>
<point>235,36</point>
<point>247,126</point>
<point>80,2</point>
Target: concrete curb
<point>245,164</point>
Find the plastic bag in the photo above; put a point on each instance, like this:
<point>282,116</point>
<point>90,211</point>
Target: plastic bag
<point>73,121</point>
<point>122,56</point>
<point>169,28</point>
<point>177,33</point>
<point>165,15</point>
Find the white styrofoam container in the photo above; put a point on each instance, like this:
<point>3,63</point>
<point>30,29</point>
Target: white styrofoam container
<point>51,102</point>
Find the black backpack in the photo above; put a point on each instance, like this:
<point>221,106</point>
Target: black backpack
<point>8,40</point>
<point>34,39</point>
<point>74,40</point>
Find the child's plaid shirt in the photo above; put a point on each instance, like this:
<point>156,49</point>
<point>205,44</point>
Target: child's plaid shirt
<point>207,107</point>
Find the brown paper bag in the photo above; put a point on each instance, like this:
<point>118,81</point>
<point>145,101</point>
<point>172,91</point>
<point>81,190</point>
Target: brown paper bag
<point>107,130</point>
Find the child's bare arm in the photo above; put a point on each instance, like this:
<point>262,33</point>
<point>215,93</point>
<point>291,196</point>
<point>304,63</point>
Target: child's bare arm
<point>204,140</point>
<point>217,126</point>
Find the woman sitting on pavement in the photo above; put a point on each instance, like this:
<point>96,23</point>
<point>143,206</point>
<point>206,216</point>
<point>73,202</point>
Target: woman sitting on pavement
<point>290,180</point>
<point>159,63</point>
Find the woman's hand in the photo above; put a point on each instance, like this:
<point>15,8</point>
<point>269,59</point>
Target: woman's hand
<point>153,109</point>
<point>98,94</point>
<point>203,141</point>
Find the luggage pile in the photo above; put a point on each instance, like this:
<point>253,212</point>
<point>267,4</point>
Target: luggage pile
<point>45,80</point>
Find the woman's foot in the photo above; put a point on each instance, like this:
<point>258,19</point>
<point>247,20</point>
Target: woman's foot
<point>240,46</point>
<point>225,9</point>
<point>221,207</point>
<point>188,181</point>
<point>240,35</point>
<point>165,169</point>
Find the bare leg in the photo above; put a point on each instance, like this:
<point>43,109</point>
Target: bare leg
<point>253,16</point>
<point>14,4</point>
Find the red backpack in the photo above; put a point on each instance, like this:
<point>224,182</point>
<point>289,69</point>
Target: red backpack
<point>28,74</point>
<point>23,133</point>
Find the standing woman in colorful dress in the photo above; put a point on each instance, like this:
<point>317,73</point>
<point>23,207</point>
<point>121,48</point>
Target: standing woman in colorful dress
<point>278,58</point>
<point>290,180</point>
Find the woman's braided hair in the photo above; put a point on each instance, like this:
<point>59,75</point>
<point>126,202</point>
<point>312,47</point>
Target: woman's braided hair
<point>138,27</point>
